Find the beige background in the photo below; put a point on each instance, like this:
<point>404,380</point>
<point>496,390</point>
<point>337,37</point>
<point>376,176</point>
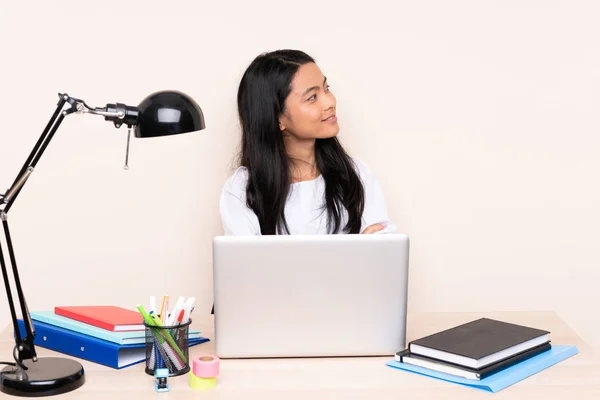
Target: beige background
<point>480,119</point>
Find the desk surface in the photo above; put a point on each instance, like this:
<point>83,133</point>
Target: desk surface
<point>346,378</point>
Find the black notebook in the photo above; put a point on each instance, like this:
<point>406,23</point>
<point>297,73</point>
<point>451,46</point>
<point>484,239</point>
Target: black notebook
<point>407,357</point>
<point>479,343</point>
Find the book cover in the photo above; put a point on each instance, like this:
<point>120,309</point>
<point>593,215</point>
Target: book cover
<point>112,318</point>
<point>469,373</point>
<point>503,379</point>
<point>88,347</point>
<point>120,338</point>
<point>479,343</point>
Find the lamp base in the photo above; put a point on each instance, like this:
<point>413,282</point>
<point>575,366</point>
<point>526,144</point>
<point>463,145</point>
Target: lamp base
<point>47,376</point>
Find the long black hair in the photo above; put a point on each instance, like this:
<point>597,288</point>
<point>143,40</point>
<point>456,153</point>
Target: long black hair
<point>261,100</point>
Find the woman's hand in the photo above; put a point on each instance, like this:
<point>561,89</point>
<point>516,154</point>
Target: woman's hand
<point>373,228</point>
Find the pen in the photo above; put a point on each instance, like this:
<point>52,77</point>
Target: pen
<point>152,304</point>
<point>166,317</point>
<point>175,313</point>
<point>180,336</point>
<point>188,306</point>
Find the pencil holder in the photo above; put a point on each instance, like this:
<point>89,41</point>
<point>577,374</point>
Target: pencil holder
<point>167,347</point>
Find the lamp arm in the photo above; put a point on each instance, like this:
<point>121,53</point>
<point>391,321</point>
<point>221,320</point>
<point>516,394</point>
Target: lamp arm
<point>117,113</point>
<point>24,348</point>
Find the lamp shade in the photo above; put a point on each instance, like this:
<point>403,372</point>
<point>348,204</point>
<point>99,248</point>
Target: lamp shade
<point>168,113</point>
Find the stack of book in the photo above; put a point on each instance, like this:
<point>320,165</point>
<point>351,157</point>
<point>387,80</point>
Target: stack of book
<point>483,353</point>
<point>107,335</point>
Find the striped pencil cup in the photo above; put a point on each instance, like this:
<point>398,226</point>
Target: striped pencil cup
<point>167,347</point>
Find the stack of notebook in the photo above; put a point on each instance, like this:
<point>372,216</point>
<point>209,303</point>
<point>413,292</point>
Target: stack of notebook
<point>107,335</point>
<point>485,353</point>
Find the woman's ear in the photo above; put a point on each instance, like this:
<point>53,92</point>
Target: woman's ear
<point>284,121</point>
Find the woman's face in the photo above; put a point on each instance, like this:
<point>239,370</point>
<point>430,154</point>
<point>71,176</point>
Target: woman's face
<point>310,107</point>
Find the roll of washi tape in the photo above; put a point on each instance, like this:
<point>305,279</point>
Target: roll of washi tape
<point>202,383</point>
<point>206,366</point>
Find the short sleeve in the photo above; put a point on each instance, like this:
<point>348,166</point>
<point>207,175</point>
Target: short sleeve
<point>237,218</point>
<point>375,205</point>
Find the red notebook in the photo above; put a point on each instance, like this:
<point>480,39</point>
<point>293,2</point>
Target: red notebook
<point>112,318</point>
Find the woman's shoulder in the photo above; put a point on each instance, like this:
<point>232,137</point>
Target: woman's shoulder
<point>236,182</point>
<point>362,168</point>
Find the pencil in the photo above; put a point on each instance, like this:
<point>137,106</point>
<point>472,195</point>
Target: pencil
<point>162,309</point>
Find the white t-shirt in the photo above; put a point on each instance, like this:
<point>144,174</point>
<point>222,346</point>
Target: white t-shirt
<point>304,208</point>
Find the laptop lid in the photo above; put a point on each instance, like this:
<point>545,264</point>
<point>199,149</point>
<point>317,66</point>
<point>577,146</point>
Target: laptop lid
<point>310,295</point>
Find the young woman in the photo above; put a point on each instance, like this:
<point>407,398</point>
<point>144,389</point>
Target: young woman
<point>294,176</point>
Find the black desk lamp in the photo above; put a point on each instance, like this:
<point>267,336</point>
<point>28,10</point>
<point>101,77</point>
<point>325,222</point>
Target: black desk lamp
<point>160,114</point>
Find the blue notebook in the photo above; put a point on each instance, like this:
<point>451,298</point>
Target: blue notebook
<point>503,379</point>
<point>88,347</point>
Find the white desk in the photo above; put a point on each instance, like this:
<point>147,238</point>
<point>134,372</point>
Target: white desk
<point>576,378</point>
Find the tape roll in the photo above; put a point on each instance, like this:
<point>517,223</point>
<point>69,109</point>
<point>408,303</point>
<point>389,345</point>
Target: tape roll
<point>206,366</point>
<point>202,383</point>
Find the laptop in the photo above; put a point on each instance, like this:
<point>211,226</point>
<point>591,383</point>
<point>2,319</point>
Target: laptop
<point>310,295</point>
